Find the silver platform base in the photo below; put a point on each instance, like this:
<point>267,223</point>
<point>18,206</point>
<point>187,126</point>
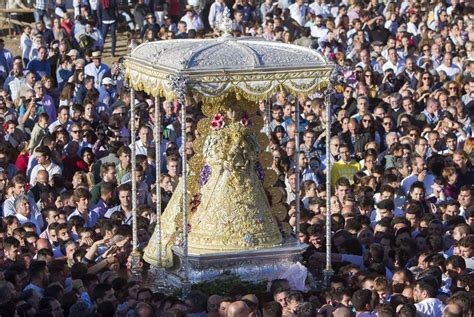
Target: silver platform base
<point>253,265</point>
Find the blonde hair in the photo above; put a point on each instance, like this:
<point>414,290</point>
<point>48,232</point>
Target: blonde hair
<point>381,283</point>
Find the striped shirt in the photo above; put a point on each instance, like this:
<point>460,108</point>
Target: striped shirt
<point>42,4</point>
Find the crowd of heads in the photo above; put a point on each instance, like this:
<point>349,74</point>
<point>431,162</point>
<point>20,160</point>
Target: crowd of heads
<point>400,160</point>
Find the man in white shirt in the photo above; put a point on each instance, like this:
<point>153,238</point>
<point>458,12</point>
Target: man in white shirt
<point>96,69</point>
<point>216,13</point>
<point>192,19</point>
<point>424,293</point>
<point>448,67</point>
<point>18,184</point>
<point>82,197</point>
<point>43,155</point>
<point>298,12</point>
<point>145,139</point>
<point>419,173</point>
<point>24,213</point>
<point>393,62</point>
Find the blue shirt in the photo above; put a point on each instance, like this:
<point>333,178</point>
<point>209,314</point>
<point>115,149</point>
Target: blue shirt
<point>93,217</point>
<point>40,68</point>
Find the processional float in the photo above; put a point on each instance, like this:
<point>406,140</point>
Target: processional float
<point>225,214</point>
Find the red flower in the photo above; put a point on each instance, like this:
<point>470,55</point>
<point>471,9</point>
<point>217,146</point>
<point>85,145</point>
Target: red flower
<point>218,117</point>
<point>215,125</point>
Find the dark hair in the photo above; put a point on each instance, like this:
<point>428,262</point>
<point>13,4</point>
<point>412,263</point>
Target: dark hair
<point>429,285</point>
<point>361,298</point>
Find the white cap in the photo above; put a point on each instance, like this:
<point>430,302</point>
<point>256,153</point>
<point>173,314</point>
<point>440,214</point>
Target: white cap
<point>107,81</point>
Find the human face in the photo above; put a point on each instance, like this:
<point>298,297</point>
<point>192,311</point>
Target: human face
<point>309,139</point>
<point>83,204</point>
<point>145,136</point>
<point>417,194</point>
<point>459,161</point>
<point>125,198</point>
<point>362,105</point>
<point>223,309</point>
<point>111,174</point>
<point>408,105</point>
<point>41,53</point>
<point>335,147</point>
<point>367,121</point>
<point>420,165</point>
<point>172,168</point>
<point>466,252</point>
<point>96,62</point>
<point>464,198</point>
<point>24,208</point>
<point>109,296</point>
<point>166,184</point>
<point>345,154</point>
<point>281,298</point>
<point>70,249</point>
<point>63,235</point>
<point>277,114</point>
<point>422,147</point>
<point>413,220</point>
<point>342,191</point>
<point>380,113</point>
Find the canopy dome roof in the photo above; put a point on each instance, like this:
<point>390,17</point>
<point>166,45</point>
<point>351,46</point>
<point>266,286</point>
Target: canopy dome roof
<point>214,67</point>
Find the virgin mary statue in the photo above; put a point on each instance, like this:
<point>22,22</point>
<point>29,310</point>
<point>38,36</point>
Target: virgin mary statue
<point>233,213</point>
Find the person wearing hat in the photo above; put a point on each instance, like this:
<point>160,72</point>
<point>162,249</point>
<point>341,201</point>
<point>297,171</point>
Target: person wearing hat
<point>193,20</point>
<point>107,94</point>
<point>73,54</point>
<point>96,69</point>
<point>150,24</point>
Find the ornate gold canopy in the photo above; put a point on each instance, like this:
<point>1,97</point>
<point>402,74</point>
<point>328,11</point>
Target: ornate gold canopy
<point>216,68</point>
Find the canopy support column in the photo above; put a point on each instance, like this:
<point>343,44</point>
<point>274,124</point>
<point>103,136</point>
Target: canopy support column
<point>160,282</point>
<point>135,253</point>
<point>178,82</point>
<point>328,271</point>
<point>297,169</point>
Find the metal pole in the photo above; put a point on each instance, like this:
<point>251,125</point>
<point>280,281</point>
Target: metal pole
<point>297,169</point>
<point>268,109</point>
<point>158,175</point>
<point>135,253</point>
<point>182,101</point>
<point>328,272</point>
<point>134,166</point>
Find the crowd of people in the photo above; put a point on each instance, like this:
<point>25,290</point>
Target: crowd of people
<point>400,158</point>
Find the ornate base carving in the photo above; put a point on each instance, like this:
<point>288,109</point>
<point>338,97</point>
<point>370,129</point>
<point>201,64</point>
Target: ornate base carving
<point>252,265</point>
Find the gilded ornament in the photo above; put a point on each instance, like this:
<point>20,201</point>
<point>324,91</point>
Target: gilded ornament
<point>195,163</point>
<point>203,127</point>
<point>266,159</point>
<point>270,178</point>
<point>257,123</point>
<point>276,194</point>
<point>262,139</point>
<point>198,144</point>
<point>286,228</point>
<point>280,212</point>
